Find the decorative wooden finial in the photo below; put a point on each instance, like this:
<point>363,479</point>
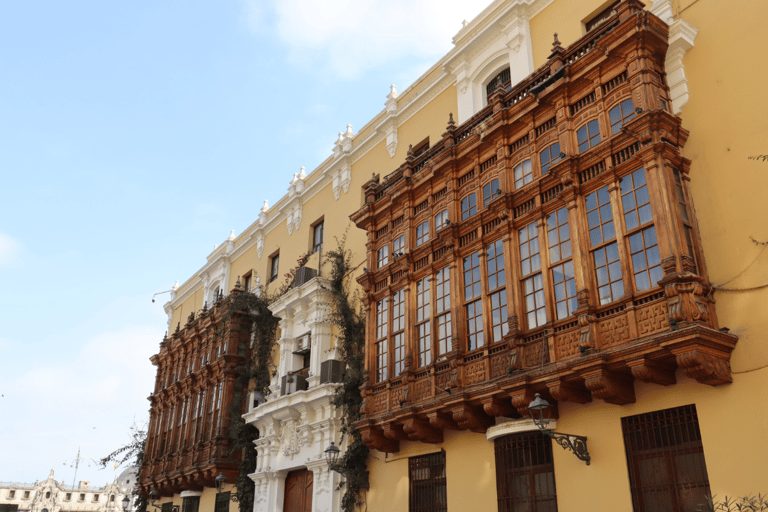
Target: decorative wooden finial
<point>556,44</point>
<point>451,123</point>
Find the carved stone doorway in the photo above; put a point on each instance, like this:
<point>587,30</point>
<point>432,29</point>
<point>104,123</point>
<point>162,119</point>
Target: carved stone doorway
<point>298,491</point>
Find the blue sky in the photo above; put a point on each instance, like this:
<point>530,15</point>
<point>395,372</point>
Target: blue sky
<point>133,137</point>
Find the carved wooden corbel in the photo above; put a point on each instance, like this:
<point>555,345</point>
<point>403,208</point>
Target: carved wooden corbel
<point>469,417</point>
<point>568,392</point>
<point>609,386</point>
<point>652,371</point>
<point>375,439</point>
<point>442,421</point>
<point>496,406</point>
<point>521,399</point>
<point>394,432</point>
<point>419,430</point>
<point>685,292</point>
<point>705,368</point>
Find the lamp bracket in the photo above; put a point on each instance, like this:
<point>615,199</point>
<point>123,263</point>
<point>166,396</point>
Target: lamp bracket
<point>577,444</point>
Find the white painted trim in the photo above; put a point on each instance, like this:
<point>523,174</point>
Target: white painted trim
<point>681,37</point>
<point>515,427</point>
<point>191,494</point>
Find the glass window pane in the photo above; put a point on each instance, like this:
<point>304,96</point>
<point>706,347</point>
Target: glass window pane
<point>608,232</point>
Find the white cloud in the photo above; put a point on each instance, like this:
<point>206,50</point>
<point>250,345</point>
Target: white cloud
<point>10,252</point>
<point>351,36</point>
<point>88,400</point>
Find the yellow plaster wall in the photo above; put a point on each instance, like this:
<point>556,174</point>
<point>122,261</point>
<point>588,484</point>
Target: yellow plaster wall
<point>470,480</point>
<point>429,121</point>
<point>207,499</point>
<point>193,303</point>
<point>727,115</point>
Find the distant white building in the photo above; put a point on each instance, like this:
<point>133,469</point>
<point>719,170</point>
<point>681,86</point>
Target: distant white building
<point>52,496</point>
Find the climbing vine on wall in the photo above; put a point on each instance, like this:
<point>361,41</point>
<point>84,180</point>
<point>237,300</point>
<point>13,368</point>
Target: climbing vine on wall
<point>348,316</point>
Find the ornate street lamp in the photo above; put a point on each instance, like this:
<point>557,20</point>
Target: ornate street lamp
<point>126,503</point>
<point>220,481</point>
<point>541,411</point>
<point>332,456</point>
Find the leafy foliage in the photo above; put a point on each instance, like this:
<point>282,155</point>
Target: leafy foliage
<point>243,309</point>
<point>757,503</point>
<point>348,316</point>
<point>132,453</point>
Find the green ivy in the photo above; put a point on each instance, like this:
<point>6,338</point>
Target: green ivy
<point>349,317</point>
<point>248,311</point>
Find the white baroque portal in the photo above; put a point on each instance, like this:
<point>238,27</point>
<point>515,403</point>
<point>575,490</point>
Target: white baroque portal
<point>296,420</point>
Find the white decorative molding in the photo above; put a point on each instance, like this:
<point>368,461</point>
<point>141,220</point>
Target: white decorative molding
<point>515,427</point>
<point>260,245</point>
<point>663,10</point>
<point>681,37</point>
<point>498,38</point>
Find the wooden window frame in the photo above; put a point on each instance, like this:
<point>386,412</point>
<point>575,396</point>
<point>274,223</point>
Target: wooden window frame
<point>588,135</point>
<point>318,227</point>
<point>561,269</point>
<point>422,233</point>
<point>489,192</point>
<point>468,206</point>
<point>546,158</point>
<point>617,116</point>
<point>525,176</point>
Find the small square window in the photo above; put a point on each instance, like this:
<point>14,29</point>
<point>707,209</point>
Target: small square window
<point>95,498</point>
<point>11,494</point>
<point>82,496</point>
<point>274,267</point>
<point>26,495</point>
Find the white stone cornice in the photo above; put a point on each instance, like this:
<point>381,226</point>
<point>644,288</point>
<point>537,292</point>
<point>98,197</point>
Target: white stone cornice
<point>514,427</point>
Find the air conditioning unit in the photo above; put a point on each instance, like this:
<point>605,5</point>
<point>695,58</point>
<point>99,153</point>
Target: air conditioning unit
<point>292,383</point>
<point>332,371</point>
<point>304,275</point>
<point>304,343</point>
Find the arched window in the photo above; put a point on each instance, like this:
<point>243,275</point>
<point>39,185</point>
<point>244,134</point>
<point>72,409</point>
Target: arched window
<point>503,78</point>
<point>588,135</point>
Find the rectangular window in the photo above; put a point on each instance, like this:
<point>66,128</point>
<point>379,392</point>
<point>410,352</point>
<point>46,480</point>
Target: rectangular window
<point>643,246</point>
<point>525,473</point>
<point>548,157</point>
<point>317,236</point>
<point>687,226</point>
<point>398,330</point>
<point>190,504</point>
<point>274,267</point>
<point>382,256</point>
<point>474,306</point>
<point>468,206</point>
<point>423,315</point>
<point>82,495</point>
<point>620,114</point>
<point>563,279</point>
<point>222,502</point>
<point>95,498</point>
<point>530,271</point>
<point>422,233</point>
<point>665,458</point>
<point>382,333</point>
<point>247,282</point>
<point>497,291</point>
<point>427,483</point>
<point>398,247</point>
<point>443,310</point>
<point>491,190</point>
<point>12,494</point>
<point>602,236</point>
<point>441,220</point>
<point>523,174</point>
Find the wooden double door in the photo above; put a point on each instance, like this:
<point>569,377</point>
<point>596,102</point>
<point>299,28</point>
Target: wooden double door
<point>298,491</point>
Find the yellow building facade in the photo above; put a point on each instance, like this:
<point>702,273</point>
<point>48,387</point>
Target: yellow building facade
<point>715,91</point>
